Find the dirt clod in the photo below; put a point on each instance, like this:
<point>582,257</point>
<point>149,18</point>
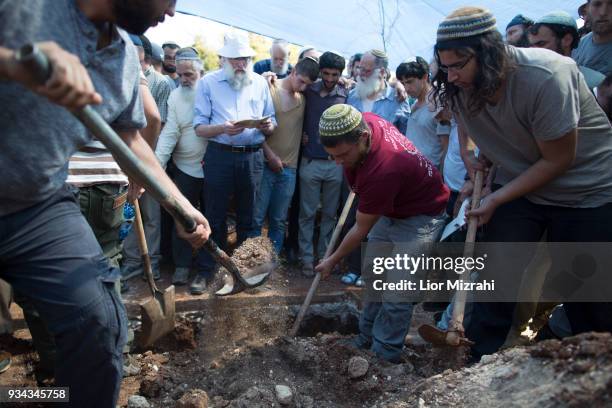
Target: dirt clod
<point>358,367</point>
<point>195,398</point>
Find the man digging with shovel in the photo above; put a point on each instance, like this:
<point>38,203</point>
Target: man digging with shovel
<point>47,249</point>
<point>402,199</point>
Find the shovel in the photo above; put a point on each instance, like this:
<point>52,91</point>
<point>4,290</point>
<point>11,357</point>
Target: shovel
<point>159,311</point>
<point>38,64</point>
<point>455,336</point>
<point>330,248</point>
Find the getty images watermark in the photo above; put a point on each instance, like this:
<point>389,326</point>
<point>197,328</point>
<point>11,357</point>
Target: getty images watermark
<point>462,266</point>
<point>496,272</point>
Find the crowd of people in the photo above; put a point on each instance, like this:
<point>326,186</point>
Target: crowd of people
<point>277,147</point>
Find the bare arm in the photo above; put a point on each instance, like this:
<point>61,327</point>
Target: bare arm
<point>557,157</point>
<point>352,240</point>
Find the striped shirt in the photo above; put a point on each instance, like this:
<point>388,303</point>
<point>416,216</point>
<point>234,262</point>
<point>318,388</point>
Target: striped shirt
<point>160,89</point>
<point>94,164</point>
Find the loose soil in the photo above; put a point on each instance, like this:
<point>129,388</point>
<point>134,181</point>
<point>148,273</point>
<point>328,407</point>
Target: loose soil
<point>238,356</point>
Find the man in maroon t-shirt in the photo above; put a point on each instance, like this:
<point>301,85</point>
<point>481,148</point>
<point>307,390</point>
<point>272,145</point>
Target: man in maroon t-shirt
<point>402,198</point>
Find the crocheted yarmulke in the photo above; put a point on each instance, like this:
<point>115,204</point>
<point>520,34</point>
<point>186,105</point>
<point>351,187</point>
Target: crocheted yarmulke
<point>339,120</point>
<point>519,19</point>
<point>559,18</point>
<point>466,22</point>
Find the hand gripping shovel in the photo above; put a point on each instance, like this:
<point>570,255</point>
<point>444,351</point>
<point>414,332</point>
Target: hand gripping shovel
<point>455,336</point>
<point>330,248</point>
<point>157,313</point>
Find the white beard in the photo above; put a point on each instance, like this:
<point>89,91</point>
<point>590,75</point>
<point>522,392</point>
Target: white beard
<point>374,84</point>
<point>237,81</point>
<point>280,70</point>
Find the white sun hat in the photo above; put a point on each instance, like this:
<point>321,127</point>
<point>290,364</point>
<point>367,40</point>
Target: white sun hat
<point>236,45</point>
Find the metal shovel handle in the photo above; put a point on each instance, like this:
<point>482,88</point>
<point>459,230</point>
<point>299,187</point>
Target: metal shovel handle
<point>37,62</point>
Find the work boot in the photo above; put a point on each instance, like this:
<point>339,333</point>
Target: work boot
<point>181,276</point>
<point>198,286</point>
<point>5,361</point>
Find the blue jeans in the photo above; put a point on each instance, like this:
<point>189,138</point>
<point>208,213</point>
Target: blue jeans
<point>49,253</point>
<point>273,200</point>
<point>229,173</point>
<point>383,325</point>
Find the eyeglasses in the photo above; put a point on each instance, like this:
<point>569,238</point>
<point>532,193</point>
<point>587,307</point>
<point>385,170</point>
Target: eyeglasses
<point>455,67</point>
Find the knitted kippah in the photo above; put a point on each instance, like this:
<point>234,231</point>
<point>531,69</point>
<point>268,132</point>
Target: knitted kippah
<point>466,22</point>
<point>519,19</point>
<point>378,53</point>
<point>339,120</point>
<point>559,18</point>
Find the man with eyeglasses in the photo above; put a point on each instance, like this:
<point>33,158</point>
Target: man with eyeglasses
<point>533,116</point>
<point>233,163</point>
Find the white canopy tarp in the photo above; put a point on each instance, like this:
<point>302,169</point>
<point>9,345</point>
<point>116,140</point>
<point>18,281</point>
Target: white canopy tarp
<point>408,27</point>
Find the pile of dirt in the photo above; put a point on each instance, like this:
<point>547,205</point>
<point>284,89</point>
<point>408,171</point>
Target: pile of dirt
<point>254,252</point>
<point>575,372</point>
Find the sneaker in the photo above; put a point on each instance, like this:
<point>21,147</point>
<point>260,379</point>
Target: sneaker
<point>308,270</point>
<point>181,276</point>
<point>128,271</point>
<point>198,286</point>
<point>5,361</point>
<point>349,278</point>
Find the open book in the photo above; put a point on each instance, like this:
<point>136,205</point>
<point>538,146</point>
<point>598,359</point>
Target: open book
<point>250,123</point>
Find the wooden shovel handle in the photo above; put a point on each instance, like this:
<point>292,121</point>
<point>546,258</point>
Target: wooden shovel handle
<point>328,252</point>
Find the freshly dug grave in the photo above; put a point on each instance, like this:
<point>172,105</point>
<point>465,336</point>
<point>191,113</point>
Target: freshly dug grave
<point>241,356</point>
<point>243,359</point>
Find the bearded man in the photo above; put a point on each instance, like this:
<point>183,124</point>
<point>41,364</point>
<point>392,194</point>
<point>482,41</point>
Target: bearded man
<point>374,94</point>
<point>278,61</point>
<point>233,163</point>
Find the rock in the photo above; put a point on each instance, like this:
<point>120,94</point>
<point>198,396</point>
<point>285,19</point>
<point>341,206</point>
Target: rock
<point>358,367</point>
<point>214,365</point>
<point>137,401</point>
<point>195,398</point>
<point>130,370</point>
<point>151,386</point>
<point>283,394</point>
<point>487,359</point>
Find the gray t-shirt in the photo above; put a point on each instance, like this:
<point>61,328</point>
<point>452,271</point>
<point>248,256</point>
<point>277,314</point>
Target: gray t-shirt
<point>38,137</point>
<point>424,131</point>
<point>594,56</point>
<point>546,97</point>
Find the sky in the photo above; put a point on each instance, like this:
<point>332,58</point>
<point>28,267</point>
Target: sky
<point>183,29</point>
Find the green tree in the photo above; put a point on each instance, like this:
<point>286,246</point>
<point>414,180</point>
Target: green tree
<point>209,57</point>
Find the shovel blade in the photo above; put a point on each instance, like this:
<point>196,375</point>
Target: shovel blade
<point>258,277</point>
<point>158,317</point>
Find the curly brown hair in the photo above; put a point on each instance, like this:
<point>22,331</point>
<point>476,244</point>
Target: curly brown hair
<point>494,65</point>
